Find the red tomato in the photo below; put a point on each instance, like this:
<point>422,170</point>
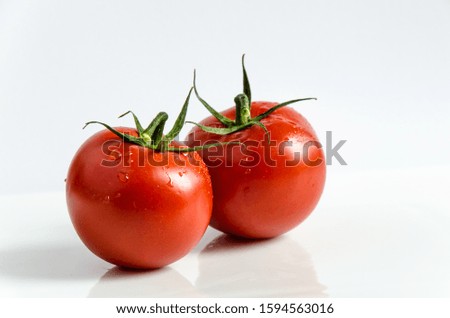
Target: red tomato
<point>257,195</point>
<point>136,212</point>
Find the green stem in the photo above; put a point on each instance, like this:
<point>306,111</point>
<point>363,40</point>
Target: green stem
<point>243,103</point>
<point>242,109</point>
<point>152,137</point>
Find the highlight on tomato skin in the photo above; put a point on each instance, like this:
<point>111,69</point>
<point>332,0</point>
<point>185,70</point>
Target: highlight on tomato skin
<point>274,178</point>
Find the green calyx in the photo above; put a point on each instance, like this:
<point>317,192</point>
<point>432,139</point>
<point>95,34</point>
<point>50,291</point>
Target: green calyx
<point>152,137</point>
<point>243,103</point>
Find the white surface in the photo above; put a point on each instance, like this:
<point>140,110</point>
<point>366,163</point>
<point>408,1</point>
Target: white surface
<point>380,69</point>
<point>374,234</point>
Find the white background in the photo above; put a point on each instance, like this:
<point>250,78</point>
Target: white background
<point>380,71</point>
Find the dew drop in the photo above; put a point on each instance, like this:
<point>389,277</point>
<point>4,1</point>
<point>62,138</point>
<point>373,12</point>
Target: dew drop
<point>170,182</point>
<point>115,155</point>
<point>123,176</point>
<point>182,173</point>
<point>247,171</point>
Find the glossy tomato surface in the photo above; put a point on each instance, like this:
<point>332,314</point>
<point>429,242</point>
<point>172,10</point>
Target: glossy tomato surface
<point>262,190</point>
<point>134,207</point>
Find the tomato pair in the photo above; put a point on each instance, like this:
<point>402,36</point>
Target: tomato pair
<point>139,199</point>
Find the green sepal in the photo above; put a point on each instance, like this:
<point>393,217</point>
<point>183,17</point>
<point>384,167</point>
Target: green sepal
<point>198,148</point>
<point>158,130</point>
<point>152,137</point>
<point>260,124</point>
<point>139,127</point>
<point>160,118</point>
<point>270,111</point>
<point>178,125</point>
<point>247,91</point>
<point>224,120</point>
<point>221,130</point>
<point>125,137</point>
<point>243,115</point>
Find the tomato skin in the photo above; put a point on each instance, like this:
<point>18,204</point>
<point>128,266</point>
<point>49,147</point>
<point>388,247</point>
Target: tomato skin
<point>133,213</point>
<point>263,200</point>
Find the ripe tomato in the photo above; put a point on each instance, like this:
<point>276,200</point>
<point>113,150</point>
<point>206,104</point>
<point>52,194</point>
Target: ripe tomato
<point>133,202</point>
<point>131,212</point>
<point>261,188</point>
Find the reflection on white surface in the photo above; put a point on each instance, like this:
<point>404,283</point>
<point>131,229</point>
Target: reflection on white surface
<point>383,234</point>
<point>164,282</point>
<point>382,251</point>
<point>49,262</point>
<point>365,239</point>
<point>231,267</point>
<point>228,267</point>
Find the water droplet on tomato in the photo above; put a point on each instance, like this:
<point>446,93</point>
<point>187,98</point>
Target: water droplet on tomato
<point>123,176</point>
<point>170,182</point>
<point>247,171</point>
<point>115,155</point>
<point>182,173</point>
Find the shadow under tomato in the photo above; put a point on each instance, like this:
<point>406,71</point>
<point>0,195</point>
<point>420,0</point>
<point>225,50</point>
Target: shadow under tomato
<point>125,283</point>
<point>51,262</point>
<point>279,267</point>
